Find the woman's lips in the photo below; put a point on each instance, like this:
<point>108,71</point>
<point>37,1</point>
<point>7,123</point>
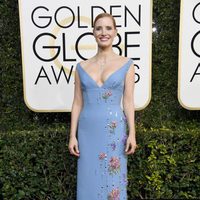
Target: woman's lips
<point>104,39</point>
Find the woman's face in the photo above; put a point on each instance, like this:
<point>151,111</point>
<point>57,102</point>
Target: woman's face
<point>104,32</point>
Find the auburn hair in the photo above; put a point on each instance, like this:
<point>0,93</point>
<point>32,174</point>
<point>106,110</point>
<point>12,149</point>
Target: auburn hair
<point>101,15</point>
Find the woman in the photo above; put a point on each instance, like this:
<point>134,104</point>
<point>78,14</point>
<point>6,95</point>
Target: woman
<point>102,144</point>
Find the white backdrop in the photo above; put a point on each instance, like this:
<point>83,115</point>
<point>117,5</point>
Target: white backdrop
<point>56,35</point>
<point>189,55</point>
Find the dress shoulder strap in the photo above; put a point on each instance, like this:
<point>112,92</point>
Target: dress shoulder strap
<point>78,68</point>
<point>130,62</point>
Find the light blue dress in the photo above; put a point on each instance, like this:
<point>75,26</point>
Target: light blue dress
<point>102,164</point>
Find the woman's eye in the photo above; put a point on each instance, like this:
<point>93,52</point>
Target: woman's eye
<point>98,28</point>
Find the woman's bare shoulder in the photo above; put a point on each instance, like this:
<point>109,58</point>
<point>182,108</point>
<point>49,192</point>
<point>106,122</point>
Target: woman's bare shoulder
<point>122,59</point>
<point>87,62</point>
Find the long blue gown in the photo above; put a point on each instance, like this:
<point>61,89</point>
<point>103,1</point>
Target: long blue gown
<point>102,164</point>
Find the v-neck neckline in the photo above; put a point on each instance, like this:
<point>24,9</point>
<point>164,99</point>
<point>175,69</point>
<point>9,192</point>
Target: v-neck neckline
<point>101,86</point>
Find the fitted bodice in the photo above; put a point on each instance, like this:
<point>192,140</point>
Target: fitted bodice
<point>110,93</point>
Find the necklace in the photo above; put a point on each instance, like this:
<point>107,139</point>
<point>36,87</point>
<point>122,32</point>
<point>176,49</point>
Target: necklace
<point>101,67</point>
<point>102,64</point>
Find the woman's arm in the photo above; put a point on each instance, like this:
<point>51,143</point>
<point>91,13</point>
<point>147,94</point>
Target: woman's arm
<point>76,105</point>
<point>129,107</point>
<point>76,109</point>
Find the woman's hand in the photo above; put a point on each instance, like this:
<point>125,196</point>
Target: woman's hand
<point>73,146</point>
<point>130,145</point>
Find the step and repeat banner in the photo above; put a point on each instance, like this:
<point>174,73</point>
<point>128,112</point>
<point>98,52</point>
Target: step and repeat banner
<point>56,35</point>
<point>189,55</point>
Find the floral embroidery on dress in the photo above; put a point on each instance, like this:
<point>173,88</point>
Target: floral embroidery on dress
<point>113,145</point>
<point>114,165</point>
<point>114,194</point>
<point>125,180</point>
<point>106,95</point>
<point>102,155</point>
<point>112,126</point>
<point>124,139</point>
<point>125,119</point>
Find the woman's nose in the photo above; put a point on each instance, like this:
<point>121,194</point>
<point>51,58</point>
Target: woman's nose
<point>103,31</point>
